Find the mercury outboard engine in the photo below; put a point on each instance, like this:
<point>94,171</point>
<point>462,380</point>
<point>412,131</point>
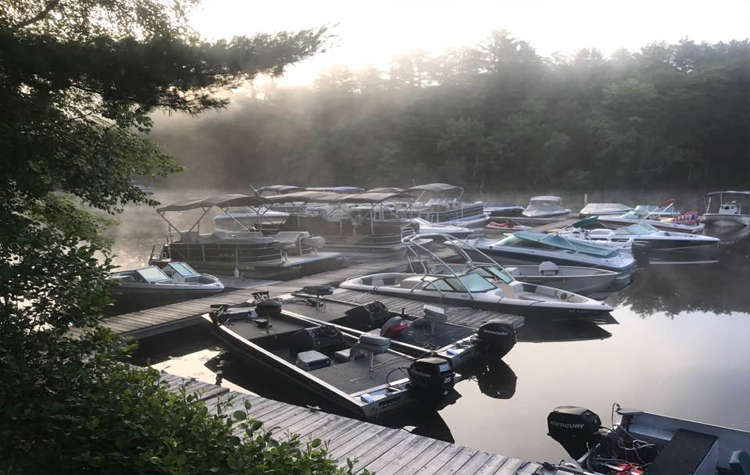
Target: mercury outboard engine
<point>575,428</point>
<point>499,336</point>
<point>431,378</point>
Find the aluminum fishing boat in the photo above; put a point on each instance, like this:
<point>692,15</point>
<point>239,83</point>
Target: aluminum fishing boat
<point>362,374</point>
<point>604,209</point>
<point>152,286</point>
<point>580,280</point>
<point>527,247</point>
<point>642,233</point>
<point>729,211</point>
<point>475,281</point>
<point>639,443</point>
<point>545,207</point>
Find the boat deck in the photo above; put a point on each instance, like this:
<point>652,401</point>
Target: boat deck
<point>379,449</point>
<point>469,317</point>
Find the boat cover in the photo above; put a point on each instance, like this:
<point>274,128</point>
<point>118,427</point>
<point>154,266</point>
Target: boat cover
<point>280,189</point>
<point>562,243</point>
<point>220,201</point>
<point>337,189</point>
<point>386,189</point>
<point>546,198</point>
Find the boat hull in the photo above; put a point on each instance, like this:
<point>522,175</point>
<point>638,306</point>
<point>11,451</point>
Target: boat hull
<point>511,256</point>
<point>726,220</point>
<point>578,282</point>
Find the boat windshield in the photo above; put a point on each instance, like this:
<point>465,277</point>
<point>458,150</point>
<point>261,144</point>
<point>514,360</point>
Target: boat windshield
<point>470,282</point>
<point>491,272</point>
<point>554,242</point>
<point>640,229</point>
<point>183,269</point>
<point>153,275</point>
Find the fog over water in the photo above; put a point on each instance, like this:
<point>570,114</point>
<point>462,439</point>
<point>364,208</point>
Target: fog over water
<point>680,348</point>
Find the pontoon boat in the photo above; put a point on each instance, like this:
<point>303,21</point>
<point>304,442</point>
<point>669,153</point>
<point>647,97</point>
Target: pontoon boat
<point>441,203</point>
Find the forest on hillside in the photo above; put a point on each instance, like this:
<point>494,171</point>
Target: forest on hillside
<point>494,116</point>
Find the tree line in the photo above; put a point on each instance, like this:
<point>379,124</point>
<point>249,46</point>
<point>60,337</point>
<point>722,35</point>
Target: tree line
<point>489,117</point>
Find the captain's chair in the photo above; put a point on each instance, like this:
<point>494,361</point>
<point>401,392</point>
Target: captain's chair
<point>548,268</point>
<point>432,315</point>
<point>370,345</point>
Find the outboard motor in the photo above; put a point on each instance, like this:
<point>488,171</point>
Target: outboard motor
<point>499,336</point>
<point>431,378</point>
<point>575,428</point>
<point>369,316</point>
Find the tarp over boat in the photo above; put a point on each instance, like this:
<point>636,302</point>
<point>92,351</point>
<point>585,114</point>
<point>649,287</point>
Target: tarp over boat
<point>220,201</point>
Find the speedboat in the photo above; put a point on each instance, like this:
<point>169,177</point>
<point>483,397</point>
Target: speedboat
<point>497,208</point>
<point>545,207</point>
<point>729,213</point>
<point>528,247</point>
<point>644,233</point>
<point>152,286</point>
<point>641,442</point>
<point>581,280</point>
<point>604,209</point>
<point>475,284</point>
<point>663,216</point>
<point>459,232</point>
<point>362,374</point>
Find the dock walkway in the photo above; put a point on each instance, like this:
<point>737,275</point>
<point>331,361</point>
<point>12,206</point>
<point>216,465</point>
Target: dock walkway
<point>376,448</point>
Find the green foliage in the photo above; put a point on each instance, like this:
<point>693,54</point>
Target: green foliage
<point>78,80</point>
<point>98,415</point>
<point>493,116</point>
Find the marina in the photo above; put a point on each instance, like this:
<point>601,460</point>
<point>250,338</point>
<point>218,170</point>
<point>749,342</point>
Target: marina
<point>298,299</point>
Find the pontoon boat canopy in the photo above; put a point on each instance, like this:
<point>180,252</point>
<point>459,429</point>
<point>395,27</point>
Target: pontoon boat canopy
<point>323,197</point>
<point>220,201</point>
<point>280,189</point>
<point>436,188</point>
<point>386,189</point>
<point>728,193</point>
<point>546,198</point>
<point>337,189</point>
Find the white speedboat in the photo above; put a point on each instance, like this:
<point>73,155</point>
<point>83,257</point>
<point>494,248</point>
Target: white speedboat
<point>729,212</point>
<point>150,286</point>
<point>545,207</point>
<point>641,442</point>
<point>604,209</point>
<point>643,233</point>
<point>581,280</point>
<point>663,216</point>
<point>528,247</point>
<point>477,284</point>
<point>459,232</point>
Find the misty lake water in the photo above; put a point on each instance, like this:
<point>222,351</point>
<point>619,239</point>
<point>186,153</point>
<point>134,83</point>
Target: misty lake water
<point>681,347</point>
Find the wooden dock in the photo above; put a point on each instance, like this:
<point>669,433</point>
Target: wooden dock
<point>376,448</point>
<point>167,318</point>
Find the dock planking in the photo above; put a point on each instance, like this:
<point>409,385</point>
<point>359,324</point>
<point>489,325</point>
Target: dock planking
<point>379,449</point>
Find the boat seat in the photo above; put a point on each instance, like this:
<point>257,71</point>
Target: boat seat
<point>290,241</point>
<point>686,453</point>
<point>739,463</point>
<point>411,282</point>
<point>318,291</point>
<point>548,268</point>
<point>370,345</point>
<point>315,242</point>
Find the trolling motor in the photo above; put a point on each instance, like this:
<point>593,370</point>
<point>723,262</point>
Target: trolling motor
<point>499,337</point>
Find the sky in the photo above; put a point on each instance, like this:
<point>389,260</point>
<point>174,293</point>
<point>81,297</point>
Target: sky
<point>369,33</point>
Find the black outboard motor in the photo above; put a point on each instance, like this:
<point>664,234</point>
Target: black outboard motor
<point>499,336</point>
<point>368,317</point>
<point>575,428</point>
<point>431,378</point>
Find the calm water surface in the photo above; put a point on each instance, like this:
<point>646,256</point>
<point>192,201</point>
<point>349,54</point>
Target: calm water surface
<point>681,347</point>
